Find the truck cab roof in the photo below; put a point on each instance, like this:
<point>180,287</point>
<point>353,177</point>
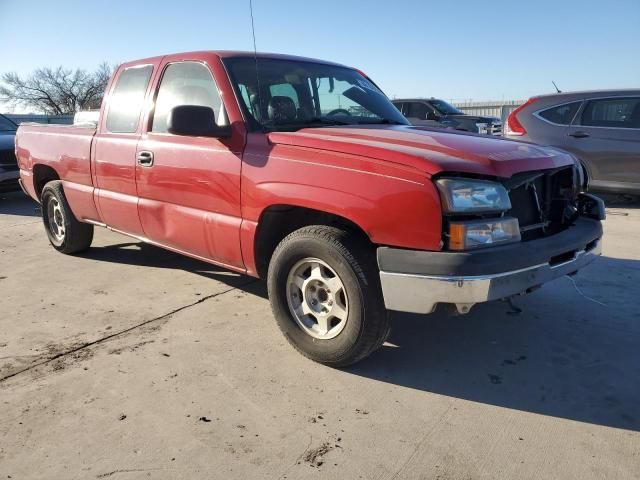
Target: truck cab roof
<point>230,54</point>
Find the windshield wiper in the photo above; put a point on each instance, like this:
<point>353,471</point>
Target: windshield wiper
<point>384,121</point>
<point>311,122</point>
<point>308,122</point>
<point>326,121</point>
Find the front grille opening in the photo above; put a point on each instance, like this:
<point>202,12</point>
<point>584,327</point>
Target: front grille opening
<point>562,258</point>
<point>542,201</point>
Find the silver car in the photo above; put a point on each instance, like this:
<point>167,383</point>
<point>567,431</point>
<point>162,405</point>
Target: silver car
<point>602,128</point>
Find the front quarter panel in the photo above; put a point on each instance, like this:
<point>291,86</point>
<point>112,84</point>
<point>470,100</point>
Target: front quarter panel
<point>393,204</point>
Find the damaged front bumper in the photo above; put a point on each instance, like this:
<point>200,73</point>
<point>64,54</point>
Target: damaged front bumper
<point>417,281</point>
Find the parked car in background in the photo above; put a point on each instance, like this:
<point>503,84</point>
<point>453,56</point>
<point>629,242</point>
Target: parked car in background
<point>9,172</point>
<point>602,128</point>
<point>433,112</point>
<point>306,175</point>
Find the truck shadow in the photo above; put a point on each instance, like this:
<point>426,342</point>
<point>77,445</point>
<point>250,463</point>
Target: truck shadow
<point>565,355</point>
<point>571,353</point>
<point>142,254</point>
<point>17,203</point>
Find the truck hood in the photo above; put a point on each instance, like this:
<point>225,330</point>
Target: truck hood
<point>430,150</point>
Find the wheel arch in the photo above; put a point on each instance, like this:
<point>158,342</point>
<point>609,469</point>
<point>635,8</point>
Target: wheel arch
<point>279,220</point>
<point>43,174</point>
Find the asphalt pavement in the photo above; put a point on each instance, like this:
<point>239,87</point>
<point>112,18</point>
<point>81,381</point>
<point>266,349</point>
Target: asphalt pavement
<point>130,362</point>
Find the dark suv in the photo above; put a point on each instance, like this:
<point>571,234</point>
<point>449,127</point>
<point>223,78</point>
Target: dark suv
<point>433,112</point>
<point>602,128</point>
<point>9,173</point>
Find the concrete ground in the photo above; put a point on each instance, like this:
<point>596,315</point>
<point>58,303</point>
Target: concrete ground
<point>131,362</point>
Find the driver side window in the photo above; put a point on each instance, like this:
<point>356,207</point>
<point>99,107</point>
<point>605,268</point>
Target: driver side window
<point>186,83</point>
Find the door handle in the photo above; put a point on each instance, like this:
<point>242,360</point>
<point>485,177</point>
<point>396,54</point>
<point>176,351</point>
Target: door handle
<point>579,134</point>
<point>145,158</point>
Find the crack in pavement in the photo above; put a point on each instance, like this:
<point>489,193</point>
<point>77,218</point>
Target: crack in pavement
<point>128,470</point>
<point>297,460</point>
<point>126,330</point>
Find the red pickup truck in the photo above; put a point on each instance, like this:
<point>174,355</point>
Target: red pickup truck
<point>302,172</point>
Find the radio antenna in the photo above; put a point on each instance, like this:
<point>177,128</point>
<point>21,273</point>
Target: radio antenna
<point>557,89</point>
<point>255,57</point>
<point>253,30</point>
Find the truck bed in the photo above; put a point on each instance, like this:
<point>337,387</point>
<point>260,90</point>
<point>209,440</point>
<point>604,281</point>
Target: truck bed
<point>64,148</point>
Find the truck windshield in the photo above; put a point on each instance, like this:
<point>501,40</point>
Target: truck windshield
<point>7,125</point>
<point>445,108</point>
<point>287,95</point>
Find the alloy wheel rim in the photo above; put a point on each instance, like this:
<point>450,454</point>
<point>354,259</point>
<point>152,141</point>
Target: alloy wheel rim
<point>56,220</point>
<point>317,298</point>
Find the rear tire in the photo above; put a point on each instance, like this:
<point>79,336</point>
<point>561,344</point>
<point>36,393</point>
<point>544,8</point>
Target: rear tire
<point>66,234</point>
<point>325,294</point>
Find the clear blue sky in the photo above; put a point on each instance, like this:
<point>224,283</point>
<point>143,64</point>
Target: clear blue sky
<point>450,49</point>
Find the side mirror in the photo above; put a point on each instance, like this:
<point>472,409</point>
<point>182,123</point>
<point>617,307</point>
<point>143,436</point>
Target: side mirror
<point>195,121</point>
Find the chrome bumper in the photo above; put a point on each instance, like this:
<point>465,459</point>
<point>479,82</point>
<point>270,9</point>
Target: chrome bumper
<point>418,293</point>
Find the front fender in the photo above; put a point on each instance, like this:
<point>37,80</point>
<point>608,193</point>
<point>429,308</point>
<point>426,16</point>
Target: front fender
<point>392,204</point>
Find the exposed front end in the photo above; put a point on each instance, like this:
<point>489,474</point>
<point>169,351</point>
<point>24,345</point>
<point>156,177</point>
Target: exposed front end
<point>500,238</point>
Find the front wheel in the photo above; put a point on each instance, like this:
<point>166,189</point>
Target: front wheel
<point>66,234</point>
<point>325,294</point>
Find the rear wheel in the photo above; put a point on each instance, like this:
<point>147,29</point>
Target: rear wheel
<point>66,234</point>
<point>325,293</point>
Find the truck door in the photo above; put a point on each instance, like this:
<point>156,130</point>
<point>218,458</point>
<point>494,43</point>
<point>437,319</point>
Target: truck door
<point>189,187</point>
<point>114,157</point>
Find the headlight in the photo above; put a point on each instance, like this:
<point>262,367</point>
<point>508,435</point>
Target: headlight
<point>463,195</point>
<point>483,233</point>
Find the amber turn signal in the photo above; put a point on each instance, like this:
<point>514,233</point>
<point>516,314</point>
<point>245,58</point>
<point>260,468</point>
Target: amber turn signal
<point>483,233</point>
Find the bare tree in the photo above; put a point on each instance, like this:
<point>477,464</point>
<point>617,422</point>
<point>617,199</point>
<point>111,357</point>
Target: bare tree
<point>56,91</point>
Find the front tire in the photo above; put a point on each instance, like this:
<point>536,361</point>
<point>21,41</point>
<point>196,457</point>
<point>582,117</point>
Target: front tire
<point>66,234</point>
<point>325,294</point>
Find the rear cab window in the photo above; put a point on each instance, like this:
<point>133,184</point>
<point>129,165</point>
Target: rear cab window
<point>561,114</point>
<point>285,90</point>
<point>127,99</point>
